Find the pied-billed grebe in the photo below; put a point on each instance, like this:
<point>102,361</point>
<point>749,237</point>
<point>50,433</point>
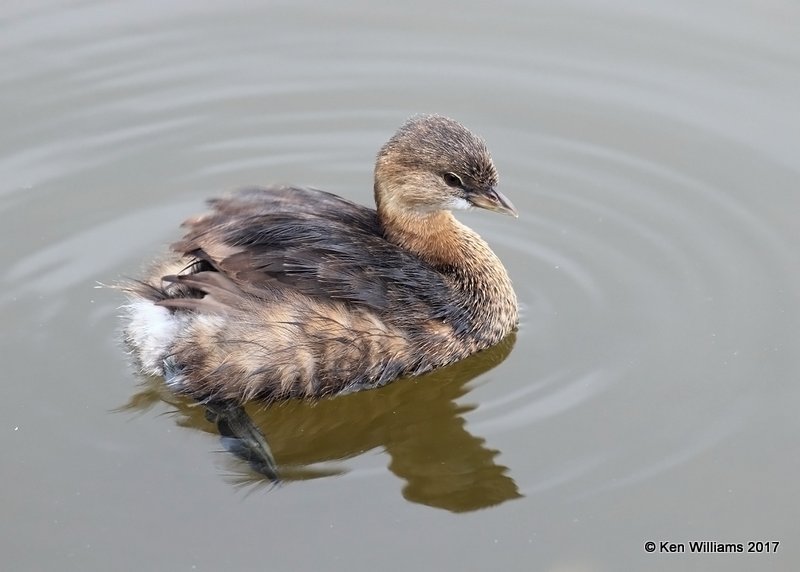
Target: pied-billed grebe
<point>285,292</point>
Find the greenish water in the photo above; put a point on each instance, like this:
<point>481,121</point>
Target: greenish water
<point>649,395</point>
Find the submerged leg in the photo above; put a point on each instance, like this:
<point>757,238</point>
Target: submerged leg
<point>239,434</point>
<point>242,437</point>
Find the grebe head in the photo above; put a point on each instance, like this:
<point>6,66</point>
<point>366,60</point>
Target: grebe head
<point>432,164</point>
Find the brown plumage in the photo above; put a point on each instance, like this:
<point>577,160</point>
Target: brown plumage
<point>285,292</point>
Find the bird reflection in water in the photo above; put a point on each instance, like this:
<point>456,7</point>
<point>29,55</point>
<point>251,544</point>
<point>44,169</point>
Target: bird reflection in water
<point>417,421</point>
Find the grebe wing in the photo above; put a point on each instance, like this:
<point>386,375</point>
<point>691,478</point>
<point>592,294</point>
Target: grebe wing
<point>315,243</point>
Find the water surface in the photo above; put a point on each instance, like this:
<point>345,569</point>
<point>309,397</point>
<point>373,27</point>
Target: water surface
<point>649,394</point>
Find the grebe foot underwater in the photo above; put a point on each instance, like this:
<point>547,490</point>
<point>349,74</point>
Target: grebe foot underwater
<point>284,292</point>
<point>242,437</point>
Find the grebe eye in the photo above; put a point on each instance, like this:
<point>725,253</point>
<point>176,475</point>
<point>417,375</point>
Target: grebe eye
<point>453,180</point>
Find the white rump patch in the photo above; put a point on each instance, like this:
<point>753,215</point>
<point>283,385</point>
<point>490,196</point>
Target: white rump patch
<point>151,331</point>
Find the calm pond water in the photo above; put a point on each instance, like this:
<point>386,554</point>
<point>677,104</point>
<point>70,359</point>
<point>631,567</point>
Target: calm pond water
<point>650,394</point>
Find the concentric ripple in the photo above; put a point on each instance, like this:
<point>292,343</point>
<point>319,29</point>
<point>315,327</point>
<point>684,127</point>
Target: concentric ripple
<point>651,153</point>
